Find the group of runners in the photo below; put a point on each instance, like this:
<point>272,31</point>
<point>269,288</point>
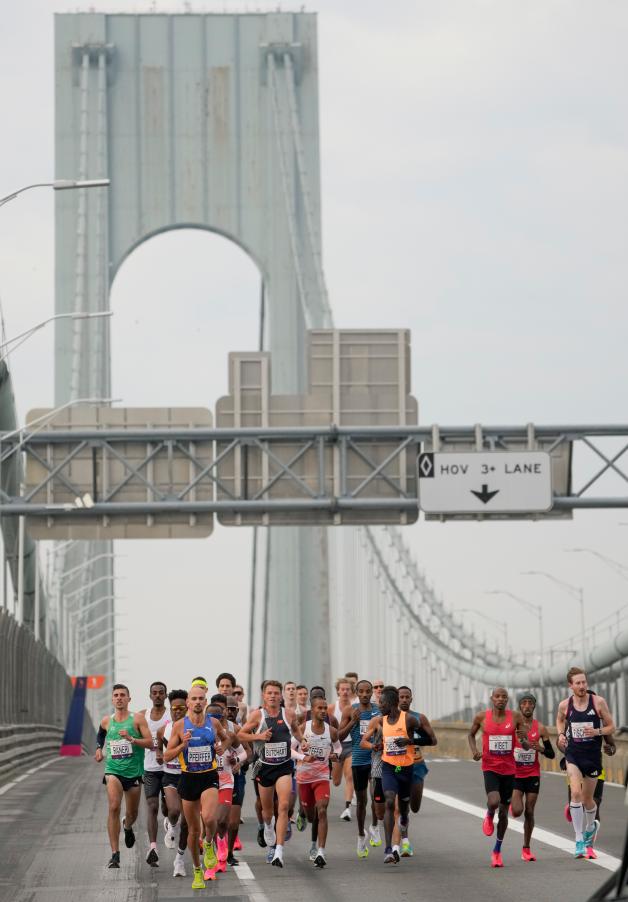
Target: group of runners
<point>193,757</point>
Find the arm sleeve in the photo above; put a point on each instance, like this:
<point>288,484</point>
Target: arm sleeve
<point>100,738</point>
<point>422,738</point>
<point>548,749</point>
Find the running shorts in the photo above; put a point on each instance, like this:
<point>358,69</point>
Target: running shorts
<point>239,787</point>
<point>419,772</point>
<point>501,783</point>
<point>270,773</point>
<point>225,796</point>
<point>346,751</point>
<point>153,781</point>
<point>311,793</point>
<point>361,776</point>
<point>527,785</point>
<point>170,780</point>
<point>397,780</point>
<point>589,765</point>
<point>126,782</point>
<point>378,790</point>
<point>192,786</point>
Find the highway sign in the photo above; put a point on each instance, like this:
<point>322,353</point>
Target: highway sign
<point>485,482</point>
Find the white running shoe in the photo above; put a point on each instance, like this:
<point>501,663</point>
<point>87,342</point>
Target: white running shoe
<point>346,815</point>
<point>375,836</point>
<point>269,833</point>
<point>313,851</point>
<point>170,836</point>
<point>277,861</point>
<point>179,867</point>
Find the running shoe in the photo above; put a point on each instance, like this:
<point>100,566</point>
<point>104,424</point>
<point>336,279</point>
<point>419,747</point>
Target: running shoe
<point>221,867</point>
<point>320,861</point>
<point>488,826</point>
<point>114,861</point>
<point>375,836</point>
<point>396,855</point>
<point>589,835</point>
<point>152,858</point>
<point>210,873</point>
<point>129,836</point>
<point>277,861</point>
<point>568,812</point>
<point>260,837</point>
<point>237,846</point>
<point>170,834</point>
<point>580,851</point>
<point>222,847</point>
<point>590,853</point>
<point>526,855</point>
<point>209,856</point>
<point>269,834</point>
<point>232,861</point>
<point>406,848</point>
<point>389,858</point>
<point>346,815</point>
<point>313,852</point>
<point>301,821</point>
<point>270,854</point>
<point>496,860</point>
<point>198,882</point>
<point>363,849</point>
<point>179,867</point>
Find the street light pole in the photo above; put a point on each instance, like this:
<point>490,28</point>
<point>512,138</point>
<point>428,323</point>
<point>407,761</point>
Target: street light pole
<point>58,185</point>
<point>22,336</point>
<point>576,592</point>
<point>538,610</point>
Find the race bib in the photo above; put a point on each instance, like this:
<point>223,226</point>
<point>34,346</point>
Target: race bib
<point>523,756</point>
<point>318,751</point>
<point>275,751</point>
<point>200,754</point>
<point>577,731</point>
<point>220,761</point>
<point>364,725</point>
<point>391,747</point>
<point>500,745</point>
<point>120,748</point>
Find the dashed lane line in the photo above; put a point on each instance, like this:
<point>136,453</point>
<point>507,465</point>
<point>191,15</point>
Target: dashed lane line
<point>27,773</point>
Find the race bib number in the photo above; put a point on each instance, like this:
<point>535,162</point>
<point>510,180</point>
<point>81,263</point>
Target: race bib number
<point>120,748</point>
<point>391,747</point>
<point>500,745</point>
<point>220,761</point>
<point>525,756</point>
<point>364,725</point>
<point>275,751</point>
<point>577,731</point>
<point>200,754</point>
<point>318,751</point>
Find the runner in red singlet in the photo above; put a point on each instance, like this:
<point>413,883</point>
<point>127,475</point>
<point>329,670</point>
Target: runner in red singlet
<point>528,770</point>
<point>500,726</point>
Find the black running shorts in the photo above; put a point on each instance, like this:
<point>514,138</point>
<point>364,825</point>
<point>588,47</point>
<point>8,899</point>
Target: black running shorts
<point>192,786</point>
<point>527,785</point>
<point>501,783</point>
<point>589,765</point>
<point>153,781</point>
<point>126,782</point>
<point>269,773</point>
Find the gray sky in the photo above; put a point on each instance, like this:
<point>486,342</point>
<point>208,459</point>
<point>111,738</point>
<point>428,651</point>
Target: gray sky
<point>475,185</point>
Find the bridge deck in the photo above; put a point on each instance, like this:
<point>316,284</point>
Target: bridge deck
<point>53,848</point>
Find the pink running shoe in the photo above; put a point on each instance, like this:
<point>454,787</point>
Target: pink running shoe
<point>488,826</point>
<point>222,848</point>
<point>210,874</point>
<point>590,853</point>
<point>237,846</point>
<point>526,855</point>
<point>496,860</point>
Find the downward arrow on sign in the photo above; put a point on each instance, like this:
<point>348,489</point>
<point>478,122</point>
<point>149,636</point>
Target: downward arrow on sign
<point>485,496</point>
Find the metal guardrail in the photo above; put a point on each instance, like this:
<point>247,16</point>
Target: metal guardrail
<point>24,744</point>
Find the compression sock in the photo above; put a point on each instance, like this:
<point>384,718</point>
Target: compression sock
<point>577,819</point>
<point>589,818</point>
<point>498,845</point>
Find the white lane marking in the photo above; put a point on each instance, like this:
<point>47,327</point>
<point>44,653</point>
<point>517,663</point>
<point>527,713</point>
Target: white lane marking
<point>247,878</point>
<point>8,786</point>
<point>609,862</point>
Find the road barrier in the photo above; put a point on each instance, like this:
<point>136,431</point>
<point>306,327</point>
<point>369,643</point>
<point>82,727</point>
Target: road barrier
<point>35,695</point>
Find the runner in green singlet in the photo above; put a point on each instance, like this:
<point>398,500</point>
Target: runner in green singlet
<point>124,736</point>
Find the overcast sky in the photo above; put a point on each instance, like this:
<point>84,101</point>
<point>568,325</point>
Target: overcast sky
<point>475,184</point>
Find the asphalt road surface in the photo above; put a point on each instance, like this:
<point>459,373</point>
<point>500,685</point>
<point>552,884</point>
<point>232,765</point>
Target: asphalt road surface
<point>53,848</point>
